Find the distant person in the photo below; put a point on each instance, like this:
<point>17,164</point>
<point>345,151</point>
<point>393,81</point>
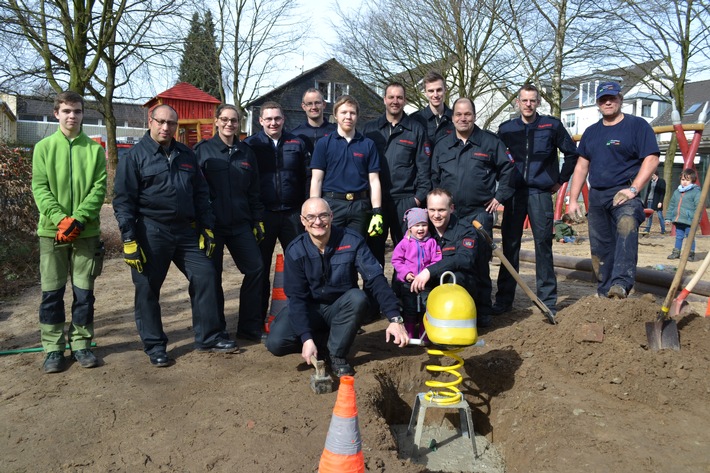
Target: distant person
<point>473,165</point>
<point>162,205</point>
<point>564,233</point>
<point>619,153</point>
<point>681,211</point>
<point>654,200</point>
<point>416,251</point>
<point>316,126</point>
<point>405,165</point>
<point>436,116</point>
<point>325,305</point>
<point>346,173</point>
<point>69,186</point>
<point>232,174</point>
<point>282,159</point>
<point>534,141</point>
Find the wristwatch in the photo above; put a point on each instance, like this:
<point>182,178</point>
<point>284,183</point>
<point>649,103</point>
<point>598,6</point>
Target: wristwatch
<point>397,320</point>
<point>634,190</point>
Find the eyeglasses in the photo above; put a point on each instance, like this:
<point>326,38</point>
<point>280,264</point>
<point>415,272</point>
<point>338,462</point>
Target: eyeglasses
<point>170,123</point>
<point>310,104</point>
<point>226,120</point>
<point>323,217</point>
<point>273,119</point>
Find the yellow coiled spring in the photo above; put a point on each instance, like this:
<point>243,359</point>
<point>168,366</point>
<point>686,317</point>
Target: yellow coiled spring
<point>445,393</point>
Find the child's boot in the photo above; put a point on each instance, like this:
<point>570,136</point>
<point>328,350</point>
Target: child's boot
<point>675,254</point>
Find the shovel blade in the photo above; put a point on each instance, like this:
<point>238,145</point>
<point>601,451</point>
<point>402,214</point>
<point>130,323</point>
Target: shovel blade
<point>662,334</point>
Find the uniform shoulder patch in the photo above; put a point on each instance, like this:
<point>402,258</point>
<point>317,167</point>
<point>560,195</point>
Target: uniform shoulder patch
<point>468,242</point>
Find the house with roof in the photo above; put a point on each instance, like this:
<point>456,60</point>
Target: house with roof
<point>35,119</point>
<point>697,94</point>
<point>643,96</point>
<point>333,80</point>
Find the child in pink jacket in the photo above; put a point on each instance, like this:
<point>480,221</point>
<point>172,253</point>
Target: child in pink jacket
<point>413,253</point>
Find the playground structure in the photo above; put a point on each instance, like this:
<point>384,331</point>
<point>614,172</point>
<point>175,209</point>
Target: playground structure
<point>195,109</point>
<point>450,323</point>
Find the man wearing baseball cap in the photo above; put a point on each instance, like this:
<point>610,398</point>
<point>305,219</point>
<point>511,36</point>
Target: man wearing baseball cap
<point>620,154</point>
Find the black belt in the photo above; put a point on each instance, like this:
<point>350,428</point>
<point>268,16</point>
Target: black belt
<point>347,196</point>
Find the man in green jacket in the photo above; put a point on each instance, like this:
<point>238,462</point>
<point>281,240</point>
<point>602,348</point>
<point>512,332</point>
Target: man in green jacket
<point>69,186</point>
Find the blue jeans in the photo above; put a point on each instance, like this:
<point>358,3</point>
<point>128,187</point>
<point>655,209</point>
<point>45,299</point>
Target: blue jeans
<point>613,238</point>
<point>649,222</point>
<point>682,231</point>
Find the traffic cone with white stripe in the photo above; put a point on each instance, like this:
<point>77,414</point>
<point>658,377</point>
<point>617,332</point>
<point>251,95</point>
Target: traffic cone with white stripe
<point>343,445</point>
<point>278,296</point>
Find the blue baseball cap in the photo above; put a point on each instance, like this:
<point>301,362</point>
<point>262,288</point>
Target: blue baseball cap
<point>608,88</point>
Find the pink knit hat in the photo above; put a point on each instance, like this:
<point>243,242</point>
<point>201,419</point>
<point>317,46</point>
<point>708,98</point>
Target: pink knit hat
<point>416,215</point>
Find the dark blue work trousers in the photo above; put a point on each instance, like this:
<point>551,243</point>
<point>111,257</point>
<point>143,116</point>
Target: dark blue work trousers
<point>333,326</point>
<point>177,244</point>
<point>283,226</point>
<point>242,245</point>
<point>614,239</point>
<point>538,207</point>
<point>483,287</point>
<point>354,214</point>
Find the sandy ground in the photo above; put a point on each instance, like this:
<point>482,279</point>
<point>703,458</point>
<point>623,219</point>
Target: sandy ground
<point>547,401</point>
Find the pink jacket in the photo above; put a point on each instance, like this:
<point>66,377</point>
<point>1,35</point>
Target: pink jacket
<point>412,256</point>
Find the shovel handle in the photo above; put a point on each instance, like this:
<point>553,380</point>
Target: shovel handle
<point>499,253</point>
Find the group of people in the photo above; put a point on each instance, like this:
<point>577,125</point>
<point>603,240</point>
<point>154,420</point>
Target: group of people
<point>420,179</point>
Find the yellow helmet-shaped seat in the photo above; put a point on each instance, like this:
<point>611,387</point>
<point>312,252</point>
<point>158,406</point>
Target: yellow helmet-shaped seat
<point>450,317</point>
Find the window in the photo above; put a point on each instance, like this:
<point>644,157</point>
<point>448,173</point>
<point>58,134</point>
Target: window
<point>570,120</point>
<point>693,108</point>
<point>646,110</point>
<point>324,88</point>
<point>332,90</point>
<point>588,93</point>
<point>340,89</point>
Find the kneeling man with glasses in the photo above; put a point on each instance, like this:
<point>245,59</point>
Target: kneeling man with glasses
<point>325,305</point>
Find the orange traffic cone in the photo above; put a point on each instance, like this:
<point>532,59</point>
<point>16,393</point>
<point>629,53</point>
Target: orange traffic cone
<point>707,311</point>
<point>278,296</point>
<point>343,446</point>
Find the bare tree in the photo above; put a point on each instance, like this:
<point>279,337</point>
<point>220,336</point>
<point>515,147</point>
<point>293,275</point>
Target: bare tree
<point>677,33</point>
<point>255,39</point>
<point>92,46</point>
<point>550,37</point>
<point>463,39</point>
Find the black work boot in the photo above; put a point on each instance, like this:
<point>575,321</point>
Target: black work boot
<point>691,256</point>
<point>54,362</point>
<point>675,254</point>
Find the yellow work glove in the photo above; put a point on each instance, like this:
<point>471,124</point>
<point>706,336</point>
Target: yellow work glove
<point>375,227</point>
<point>133,255</point>
<point>207,242</point>
<point>259,231</point>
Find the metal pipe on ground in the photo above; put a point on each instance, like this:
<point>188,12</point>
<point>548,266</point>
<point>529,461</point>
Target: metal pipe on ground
<point>644,277</point>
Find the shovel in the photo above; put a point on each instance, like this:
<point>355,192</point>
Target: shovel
<point>680,305</point>
<point>663,333</point>
<point>499,253</point>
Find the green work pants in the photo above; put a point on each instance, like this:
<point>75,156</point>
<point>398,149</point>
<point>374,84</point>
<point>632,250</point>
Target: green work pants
<point>83,260</point>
